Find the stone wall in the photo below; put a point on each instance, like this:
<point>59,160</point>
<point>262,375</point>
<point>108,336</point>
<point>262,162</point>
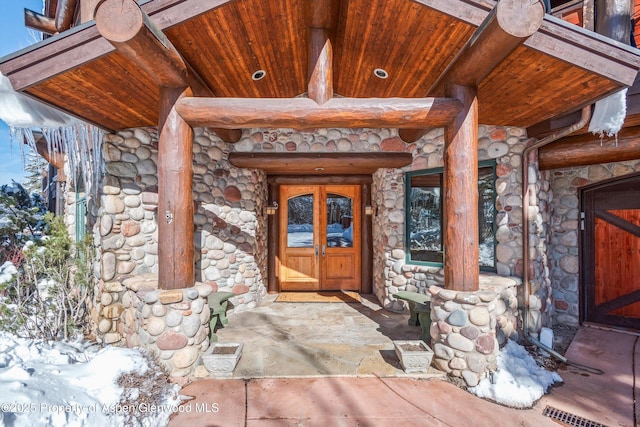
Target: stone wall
<point>231,238</point>
<point>231,226</point>
<point>174,324</point>
<point>230,235</point>
<point>391,271</point>
<point>541,309</point>
<point>230,219</point>
<point>565,222</point>
<point>467,328</point>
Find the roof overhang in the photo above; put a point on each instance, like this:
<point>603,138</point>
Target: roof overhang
<point>558,69</point>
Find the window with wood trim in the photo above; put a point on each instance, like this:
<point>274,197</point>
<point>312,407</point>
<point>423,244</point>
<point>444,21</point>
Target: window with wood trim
<point>424,205</point>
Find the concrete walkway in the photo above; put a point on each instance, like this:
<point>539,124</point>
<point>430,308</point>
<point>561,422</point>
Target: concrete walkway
<point>307,364</point>
<point>329,402</point>
<point>607,398</point>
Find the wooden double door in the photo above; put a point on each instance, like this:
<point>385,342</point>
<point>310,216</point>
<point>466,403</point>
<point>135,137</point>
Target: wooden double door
<point>319,243</point>
<point>611,252</point>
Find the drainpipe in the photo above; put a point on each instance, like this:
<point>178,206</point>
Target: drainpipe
<point>532,147</point>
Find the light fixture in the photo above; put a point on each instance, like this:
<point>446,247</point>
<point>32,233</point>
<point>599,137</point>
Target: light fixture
<point>380,73</point>
<point>258,75</point>
<point>272,209</point>
<point>319,169</point>
<point>369,210</point>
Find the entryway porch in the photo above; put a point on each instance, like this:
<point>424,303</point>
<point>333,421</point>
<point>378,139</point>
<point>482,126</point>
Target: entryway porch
<point>333,364</point>
<point>309,339</point>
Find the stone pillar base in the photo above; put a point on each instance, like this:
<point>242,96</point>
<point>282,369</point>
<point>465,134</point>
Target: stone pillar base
<point>463,331</point>
<point>174,324</point>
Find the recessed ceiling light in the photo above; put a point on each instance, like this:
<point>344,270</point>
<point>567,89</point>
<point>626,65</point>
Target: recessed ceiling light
<point>259,75</point>
<point>380,73</point>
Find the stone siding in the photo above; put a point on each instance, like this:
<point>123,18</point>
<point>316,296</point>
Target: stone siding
<point>230,235</point>
<point>392,273</point>
<point>230,219</point>
<point>565,222</point>
<point>174,324</point>
<point>541,310</point>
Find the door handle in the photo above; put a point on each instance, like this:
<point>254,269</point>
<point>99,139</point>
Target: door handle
<point>316,250</point>
<point>324,250</point>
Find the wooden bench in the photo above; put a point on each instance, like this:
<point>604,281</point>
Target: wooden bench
<point>218,304</point>
<point>419,311</point>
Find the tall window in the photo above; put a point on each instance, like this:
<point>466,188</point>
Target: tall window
<point>424,206</point>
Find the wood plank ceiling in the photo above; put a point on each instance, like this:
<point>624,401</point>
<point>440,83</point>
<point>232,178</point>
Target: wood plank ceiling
<point>559,69</point>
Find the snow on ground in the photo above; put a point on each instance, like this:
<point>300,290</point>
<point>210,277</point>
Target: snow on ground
<point>519,382</point>
<point>75,384</point>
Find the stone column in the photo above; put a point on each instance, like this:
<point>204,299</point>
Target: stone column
<point>173,324</point>
<point>463,331</point>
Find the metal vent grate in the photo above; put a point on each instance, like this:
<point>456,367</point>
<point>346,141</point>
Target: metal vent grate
<point>569,419</point>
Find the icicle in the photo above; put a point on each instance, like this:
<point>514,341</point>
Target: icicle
<point>63,134</point>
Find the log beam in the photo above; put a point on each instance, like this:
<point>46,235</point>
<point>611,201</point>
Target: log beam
<point>130,30</point>
<point>56,159</point>
<point>317,164</point>
<point>87,10</point>
<point>304,113</point>
<point>320,87</point>
<point>322,16</point>
<point>505,28</point>
<point>175,200</point>
<point>587,149</point>
<point>65,13</point>
<point>39,22</point>
<point>460,228</point>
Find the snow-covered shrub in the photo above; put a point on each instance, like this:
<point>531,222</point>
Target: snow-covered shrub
<point>21,220</point>
<point>48,295</point>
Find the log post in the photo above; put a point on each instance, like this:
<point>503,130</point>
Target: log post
<point>175,200</point>
<point>613,19</point>
<point>506,27</point>
<point>39,22</point>
<point>322,16</point>
<point>460,225</point>
<point>65,12</point>
<point>321,64</point>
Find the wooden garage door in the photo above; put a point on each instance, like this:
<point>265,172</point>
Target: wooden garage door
<point>611,252</point>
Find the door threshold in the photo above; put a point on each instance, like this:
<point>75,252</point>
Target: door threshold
<point>609,328</point>
<point>319,296</point>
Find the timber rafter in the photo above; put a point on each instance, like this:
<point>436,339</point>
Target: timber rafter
<point>505,28</point>
<point>131,32</point>
<point>225,45</point>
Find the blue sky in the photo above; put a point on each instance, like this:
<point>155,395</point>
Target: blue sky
<point>13,37</point>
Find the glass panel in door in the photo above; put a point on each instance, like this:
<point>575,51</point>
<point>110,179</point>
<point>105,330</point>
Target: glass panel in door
<point>300,222</point>
<point>339,221</point>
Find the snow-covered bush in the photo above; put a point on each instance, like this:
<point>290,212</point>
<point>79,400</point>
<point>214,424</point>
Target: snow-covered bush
<point>21,220</point>
<point>47,296</point>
